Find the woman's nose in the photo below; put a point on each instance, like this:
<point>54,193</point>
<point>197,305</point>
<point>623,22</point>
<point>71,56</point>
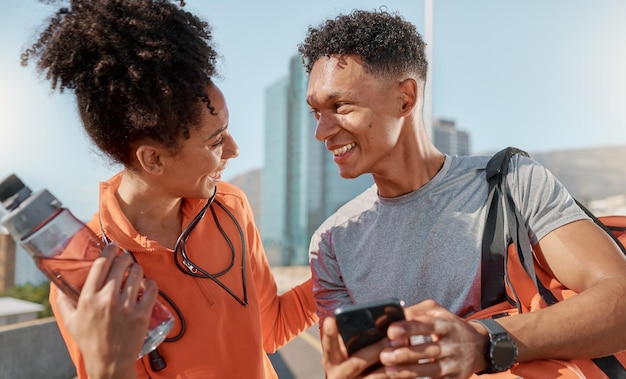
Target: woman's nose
<point>231,149</point>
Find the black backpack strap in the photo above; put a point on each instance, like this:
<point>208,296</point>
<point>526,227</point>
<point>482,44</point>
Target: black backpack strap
<point>493,245</point>
<point>504,225</point>
<point>503,213</point>
<point>611,366</point>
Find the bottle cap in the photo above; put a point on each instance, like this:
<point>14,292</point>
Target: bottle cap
<point>12,192</point>
<point>29,215</point>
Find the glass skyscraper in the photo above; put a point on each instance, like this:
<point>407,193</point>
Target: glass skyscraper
<point>301,186</point>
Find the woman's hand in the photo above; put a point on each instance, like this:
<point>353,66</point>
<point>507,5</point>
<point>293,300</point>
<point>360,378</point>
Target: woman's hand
<point>110,320</point>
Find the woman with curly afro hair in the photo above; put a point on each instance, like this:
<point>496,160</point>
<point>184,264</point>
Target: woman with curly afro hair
<point>142,72</point>
<point>417,233</point>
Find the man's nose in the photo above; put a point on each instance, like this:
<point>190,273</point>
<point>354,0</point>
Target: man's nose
<point>325,128</point>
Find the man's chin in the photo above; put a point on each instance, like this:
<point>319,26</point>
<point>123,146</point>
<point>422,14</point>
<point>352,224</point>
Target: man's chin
<point>349,174</point>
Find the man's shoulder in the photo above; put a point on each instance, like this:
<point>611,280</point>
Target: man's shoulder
<point>463,162</point>
<point>352,208</point>
<point>462,165</point>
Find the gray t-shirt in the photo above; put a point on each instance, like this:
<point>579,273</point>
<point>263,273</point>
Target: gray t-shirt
<point>427,244</point>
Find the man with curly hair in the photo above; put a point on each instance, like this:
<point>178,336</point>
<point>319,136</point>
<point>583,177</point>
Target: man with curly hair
<point>142,72</point>
<point>416,234</point>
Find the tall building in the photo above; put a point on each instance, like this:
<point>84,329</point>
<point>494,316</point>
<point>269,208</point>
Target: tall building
<point>16,266</point>
<point>301,186</point>
<point>7,262</point>
<point>274,189</point>
<point>250,183</point>
<point>302,172</point>
<point>450,140</point>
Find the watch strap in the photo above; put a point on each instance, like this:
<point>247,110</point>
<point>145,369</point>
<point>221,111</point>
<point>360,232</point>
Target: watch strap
<point>492,326</point>
<point>497,334</point>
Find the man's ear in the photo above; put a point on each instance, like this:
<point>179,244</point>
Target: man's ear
<point>149,157</point>
<point>409,91</point>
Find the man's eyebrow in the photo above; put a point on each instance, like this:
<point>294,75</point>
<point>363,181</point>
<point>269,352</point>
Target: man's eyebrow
<point>330,97</point>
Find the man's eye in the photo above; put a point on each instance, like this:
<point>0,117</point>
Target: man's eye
<point>339,107</point>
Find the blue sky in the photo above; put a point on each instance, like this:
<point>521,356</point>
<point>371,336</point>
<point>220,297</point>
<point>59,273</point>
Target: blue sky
<point>540,75</point>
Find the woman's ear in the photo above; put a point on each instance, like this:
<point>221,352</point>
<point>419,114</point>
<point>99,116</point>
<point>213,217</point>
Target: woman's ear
<point>149,158</point>
<point>409,90</point>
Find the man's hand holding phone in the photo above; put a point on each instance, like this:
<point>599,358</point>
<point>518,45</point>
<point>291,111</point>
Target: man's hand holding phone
<point>355,337</point>
<point>363,324</point>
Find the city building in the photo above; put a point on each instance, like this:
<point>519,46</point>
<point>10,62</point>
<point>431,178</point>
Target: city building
<point>250,182</point>
<point>273,193</point>
<point>301,186</point>
<point>448,139</point>
<point>7,262</point>
<point>16,266</point>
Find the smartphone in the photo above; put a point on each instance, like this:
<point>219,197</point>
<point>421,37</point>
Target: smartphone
<point>365,323</point>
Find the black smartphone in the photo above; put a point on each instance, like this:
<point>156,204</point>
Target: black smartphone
<point>365,323</point>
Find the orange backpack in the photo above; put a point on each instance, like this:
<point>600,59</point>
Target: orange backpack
<point>525,286</point>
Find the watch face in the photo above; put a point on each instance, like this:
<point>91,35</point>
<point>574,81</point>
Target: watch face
<point>503,353</point>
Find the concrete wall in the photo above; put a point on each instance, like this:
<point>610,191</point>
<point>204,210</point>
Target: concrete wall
<point>34,349</point>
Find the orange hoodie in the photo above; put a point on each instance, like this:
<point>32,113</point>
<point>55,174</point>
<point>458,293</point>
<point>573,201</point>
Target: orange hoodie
<point>223,339</point>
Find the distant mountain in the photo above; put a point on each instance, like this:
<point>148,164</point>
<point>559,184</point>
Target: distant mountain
<point>590,173</point>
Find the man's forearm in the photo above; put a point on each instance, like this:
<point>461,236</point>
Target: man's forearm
<point>587,325</point>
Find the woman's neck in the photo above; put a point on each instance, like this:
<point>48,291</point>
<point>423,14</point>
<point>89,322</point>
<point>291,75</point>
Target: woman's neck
<point>153,215</point>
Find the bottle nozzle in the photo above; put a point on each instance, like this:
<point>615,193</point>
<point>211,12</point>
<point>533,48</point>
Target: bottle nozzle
<point>26,211</point>
<point>12,192</point>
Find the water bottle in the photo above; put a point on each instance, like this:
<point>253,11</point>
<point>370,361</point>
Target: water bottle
<point>62,246</point>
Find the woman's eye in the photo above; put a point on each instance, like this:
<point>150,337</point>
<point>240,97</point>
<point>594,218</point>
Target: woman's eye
<point>219,142</point>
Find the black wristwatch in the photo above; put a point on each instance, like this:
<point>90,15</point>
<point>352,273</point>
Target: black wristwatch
<point>502,350</point>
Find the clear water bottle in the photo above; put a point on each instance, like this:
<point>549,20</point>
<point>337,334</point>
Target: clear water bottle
<point>62,246</point>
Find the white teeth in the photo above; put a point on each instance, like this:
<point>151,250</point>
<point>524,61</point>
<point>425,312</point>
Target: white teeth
<point>343,149</point>
<point>216,176</point>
